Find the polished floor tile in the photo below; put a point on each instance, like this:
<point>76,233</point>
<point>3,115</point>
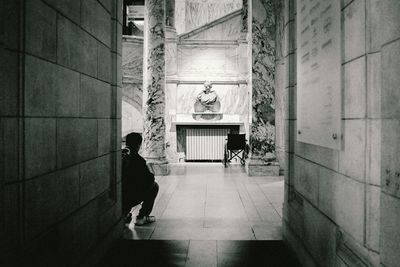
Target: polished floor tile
<point>206,201</point>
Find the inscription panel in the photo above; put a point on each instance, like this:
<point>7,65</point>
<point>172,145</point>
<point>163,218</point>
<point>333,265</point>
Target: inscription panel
<point>319,73</point>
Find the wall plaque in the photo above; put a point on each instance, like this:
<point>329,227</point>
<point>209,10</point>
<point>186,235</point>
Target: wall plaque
<point>319,72</point>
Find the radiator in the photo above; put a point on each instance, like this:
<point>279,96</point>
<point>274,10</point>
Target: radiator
<point>205,143</point>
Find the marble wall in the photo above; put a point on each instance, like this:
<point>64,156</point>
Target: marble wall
<point>190,14</point>
<point>206,61</point>
<point>208,53</point>
<point>132,84</point>
<point>341,206</point>
<point>222,29</point>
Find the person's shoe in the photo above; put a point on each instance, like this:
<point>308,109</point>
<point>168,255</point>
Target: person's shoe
<point>145,220</point>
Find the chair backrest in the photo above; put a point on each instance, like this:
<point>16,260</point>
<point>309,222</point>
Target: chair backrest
<point>236,141</point>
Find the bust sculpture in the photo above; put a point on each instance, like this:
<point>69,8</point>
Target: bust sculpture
<point>207,97</point>
<point>207,104</point>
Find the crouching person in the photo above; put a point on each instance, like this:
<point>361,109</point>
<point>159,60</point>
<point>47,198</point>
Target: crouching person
<point>138,184</point>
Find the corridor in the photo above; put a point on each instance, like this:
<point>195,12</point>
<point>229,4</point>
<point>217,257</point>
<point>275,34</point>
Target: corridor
<point>208,215</point>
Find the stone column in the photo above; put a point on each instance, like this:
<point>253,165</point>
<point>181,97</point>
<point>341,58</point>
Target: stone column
<point>171,68</point>
<point>262,160</point>
<point>154,87</point>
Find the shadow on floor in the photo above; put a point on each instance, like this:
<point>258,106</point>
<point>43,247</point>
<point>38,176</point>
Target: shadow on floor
<point>199,253</point>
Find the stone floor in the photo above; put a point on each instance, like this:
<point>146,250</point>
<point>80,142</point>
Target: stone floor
<point>208,215</point>
<point>207,253</point>
<point>206,201</point>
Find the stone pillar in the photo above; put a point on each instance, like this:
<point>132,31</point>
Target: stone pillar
<point>262,160</point>
<point>154,87</point>
<point>171,68</point>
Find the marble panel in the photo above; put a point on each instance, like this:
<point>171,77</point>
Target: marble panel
<point>76,141</point>
<point>76,49</point>
<point>390,231</point>
<point>373,163</point>
<point>234,98</point>
<point>94,178</point>
<point>69,8</point>
<point>9,143</point>
<point>225,30</point>
<point>9,80</point>
<point>40,89</point>
<point>373,217</point>
<point>180,11</point>
<point>9,211</point>
<point>352,158</point>
<point>319,235</point>
<point>390,149</point>
<point>306,179</point>
<point>374,85</point>
<point>95,98</point>
<point>57,192</point>
<point>171,62</point>
<point>67,92</point>
<point>132,59</point>
<point>374,32</point>
<point>40,146</point>
<point>355,89</point>
<point>104,127</point>
<point>104,62</point>
<point>96,20</point>
<point>389,16</point>
<point>335,191</point>
<point>199,12</point>
<point>11,16</point>
<point>354,30</point>
<point>41,30</point>
<point>390,94</point>
<point>207,61</point>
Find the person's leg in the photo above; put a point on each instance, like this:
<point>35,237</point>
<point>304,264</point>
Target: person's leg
<point>148,201</point>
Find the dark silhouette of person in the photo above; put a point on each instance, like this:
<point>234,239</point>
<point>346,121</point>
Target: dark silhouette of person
<point>138,184</point>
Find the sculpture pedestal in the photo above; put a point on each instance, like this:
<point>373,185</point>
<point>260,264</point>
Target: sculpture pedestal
<point>158,166</point>
<point>208,116</point>
<point>258,167</point>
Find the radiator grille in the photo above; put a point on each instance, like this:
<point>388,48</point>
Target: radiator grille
<point>205,143</point>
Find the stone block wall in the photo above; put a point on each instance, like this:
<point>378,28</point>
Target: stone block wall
<point>59,129</point>
<point>341,205</point>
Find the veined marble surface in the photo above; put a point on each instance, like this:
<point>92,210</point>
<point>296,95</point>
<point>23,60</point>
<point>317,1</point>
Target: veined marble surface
<point>208,60</point>
<point>132,59</point>
<point>233,98</point>
<point>154,82</point>
<point>262,134</point>
<point>199,12</point>
<point>228,29</point>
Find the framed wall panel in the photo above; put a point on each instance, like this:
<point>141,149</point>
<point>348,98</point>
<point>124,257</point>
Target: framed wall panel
<point>319,73</point>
